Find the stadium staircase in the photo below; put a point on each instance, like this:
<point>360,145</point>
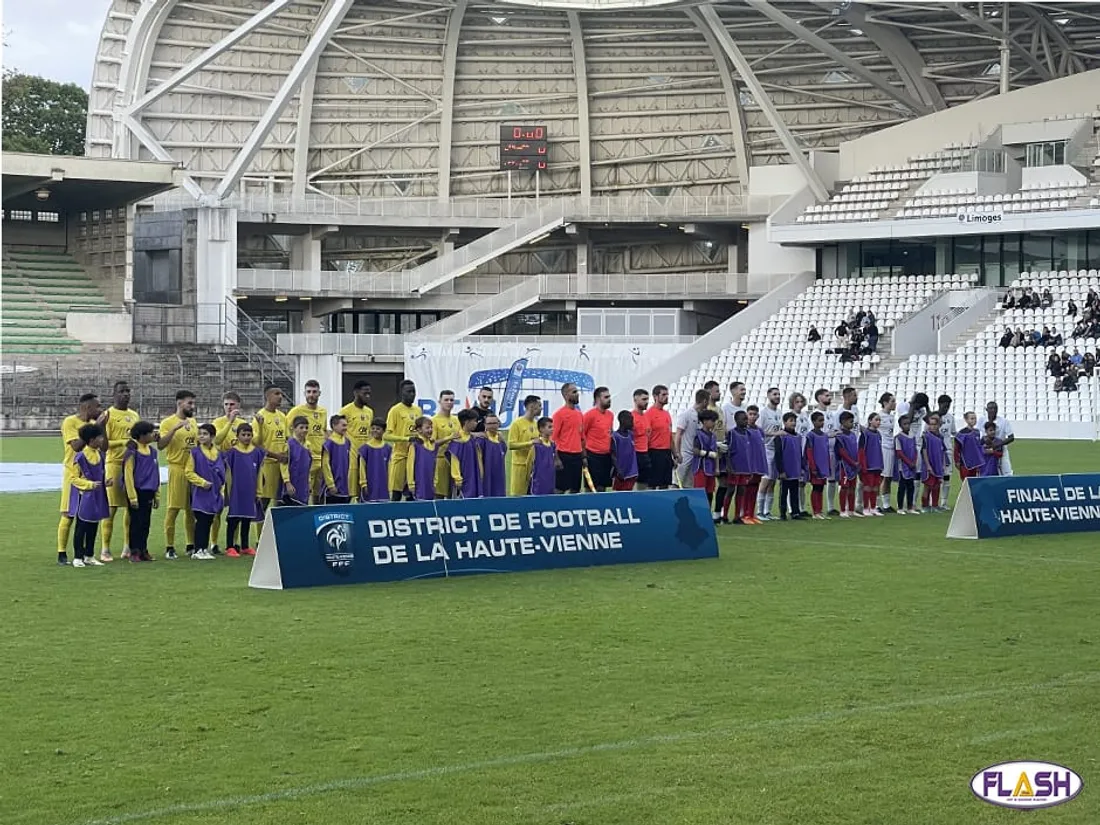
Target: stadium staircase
<point>40,288</point>
<point>467,258</point>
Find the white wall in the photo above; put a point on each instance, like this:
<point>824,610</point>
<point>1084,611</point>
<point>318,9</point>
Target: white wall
<point>767,258</point>
<point>215,274</point>
<point>329,371</point>
<point>100,327</point>
<point>970,122</point>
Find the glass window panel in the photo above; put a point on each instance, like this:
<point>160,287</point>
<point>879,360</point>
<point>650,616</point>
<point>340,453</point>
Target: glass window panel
<point>968,255</point>
<point>639,324</point>
<point>1036,252</point>
<point>614,323</point>
<point>591,324</point>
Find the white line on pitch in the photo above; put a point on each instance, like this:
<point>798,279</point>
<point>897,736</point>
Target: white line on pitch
<point>1065,681</point>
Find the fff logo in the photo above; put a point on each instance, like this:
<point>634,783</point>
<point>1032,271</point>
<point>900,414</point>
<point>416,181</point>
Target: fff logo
<point>1026,784</point>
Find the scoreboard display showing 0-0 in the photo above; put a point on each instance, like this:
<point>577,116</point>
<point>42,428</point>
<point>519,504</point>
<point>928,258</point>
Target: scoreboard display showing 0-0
<point>522,147</point>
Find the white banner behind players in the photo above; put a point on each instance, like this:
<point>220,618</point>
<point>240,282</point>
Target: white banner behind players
<point>516,370</point>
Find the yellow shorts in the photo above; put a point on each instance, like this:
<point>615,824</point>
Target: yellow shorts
<point>398,473</point>
<point>116,493</point>
<point>67,502</point>
<point>443,477</point>
<point>271,481</point>
<point>179,490</point>
<point>519,480</point>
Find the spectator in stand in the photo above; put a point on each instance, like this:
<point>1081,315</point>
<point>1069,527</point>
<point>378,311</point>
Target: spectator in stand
<point>1054,365</point>
<point>1056,337</point>
<point>1006,338</point>
<point>1047,300</point>
<point>1047,340</point>
<point>1036,338</point>
<point>1093,300</point>
<point>814,335</point>
<point>872,335</point>
<point>1024,301</point>
<point>1009,301</point>
<point>1071,309</point>
<point>1017,338</point>
<point>1082,329</point>
<point>1069,380</point>
<point>1076,359</point>
<point>1088,364</point>
<point>841,335</point>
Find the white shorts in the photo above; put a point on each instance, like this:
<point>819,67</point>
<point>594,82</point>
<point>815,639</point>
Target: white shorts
<point>769,453</point>
<point>888,464</point>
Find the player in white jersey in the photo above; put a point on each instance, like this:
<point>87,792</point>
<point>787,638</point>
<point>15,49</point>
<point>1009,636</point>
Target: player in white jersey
<point>947,430</point>
<point>917,410</point>
<point>802,425</point>
<point>728,410</point>
<point>887,421</point>
<point>850,403</point>
<point>1004,433</point>
<point>824,399</point>
<point>771,422</point>
<point>734,405</point>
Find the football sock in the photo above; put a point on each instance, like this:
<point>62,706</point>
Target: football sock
<point>945,493</point>
<point>64,529</point>
<point>816,496</point>
<point>189,526</point>
<point>170,526</point>
<point>108,530</point>
<point>831,490</point>
<point>769,500</point>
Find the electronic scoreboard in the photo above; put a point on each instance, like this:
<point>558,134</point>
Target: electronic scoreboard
<point>523,148</point>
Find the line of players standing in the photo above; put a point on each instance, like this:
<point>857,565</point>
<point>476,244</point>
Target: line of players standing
<point>738,453</point>
<point>235,467</point>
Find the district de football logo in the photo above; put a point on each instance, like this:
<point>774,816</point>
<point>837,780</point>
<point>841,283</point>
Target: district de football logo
<point>334,541</point>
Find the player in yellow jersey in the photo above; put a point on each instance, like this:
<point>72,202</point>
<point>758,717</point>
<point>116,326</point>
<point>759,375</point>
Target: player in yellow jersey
<point>400,432</point>
<point>315,437</point>
<point>226,425</point>
<point>87,412</point>
<point>179,434</point>
<point>120,420</point>
<point>445,429</point>
<point>522,436</point>
<point>225,439</point>
<point>271,434</point>
<point>359,416</point>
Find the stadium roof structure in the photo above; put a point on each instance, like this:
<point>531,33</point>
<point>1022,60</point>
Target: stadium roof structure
<point>66,183</point>
<point>406,98</point>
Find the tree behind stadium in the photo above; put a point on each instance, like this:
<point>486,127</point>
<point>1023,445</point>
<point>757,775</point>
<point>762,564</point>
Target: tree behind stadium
<point>43,116</point>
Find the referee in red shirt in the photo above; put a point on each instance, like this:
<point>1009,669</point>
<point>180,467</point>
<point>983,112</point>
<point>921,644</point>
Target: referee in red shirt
<point>596,432</point>
<point>641,435</point>
<point>566,435</point>
<point>660,440</point>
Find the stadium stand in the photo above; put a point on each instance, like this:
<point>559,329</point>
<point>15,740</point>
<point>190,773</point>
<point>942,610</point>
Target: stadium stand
<point>776,353</point>
<point>869,197</point>
<point>979,369</point>
<point>40,287</point>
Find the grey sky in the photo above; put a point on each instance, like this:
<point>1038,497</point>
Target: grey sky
<point>53,38</point>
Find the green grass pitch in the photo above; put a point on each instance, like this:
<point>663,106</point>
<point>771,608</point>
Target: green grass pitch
<point>848,673</point>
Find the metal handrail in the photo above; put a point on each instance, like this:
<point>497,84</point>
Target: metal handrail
<point>256,337</point>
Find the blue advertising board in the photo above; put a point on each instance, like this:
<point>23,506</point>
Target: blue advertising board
<point>1003,506</point>
<point>314,546</point>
